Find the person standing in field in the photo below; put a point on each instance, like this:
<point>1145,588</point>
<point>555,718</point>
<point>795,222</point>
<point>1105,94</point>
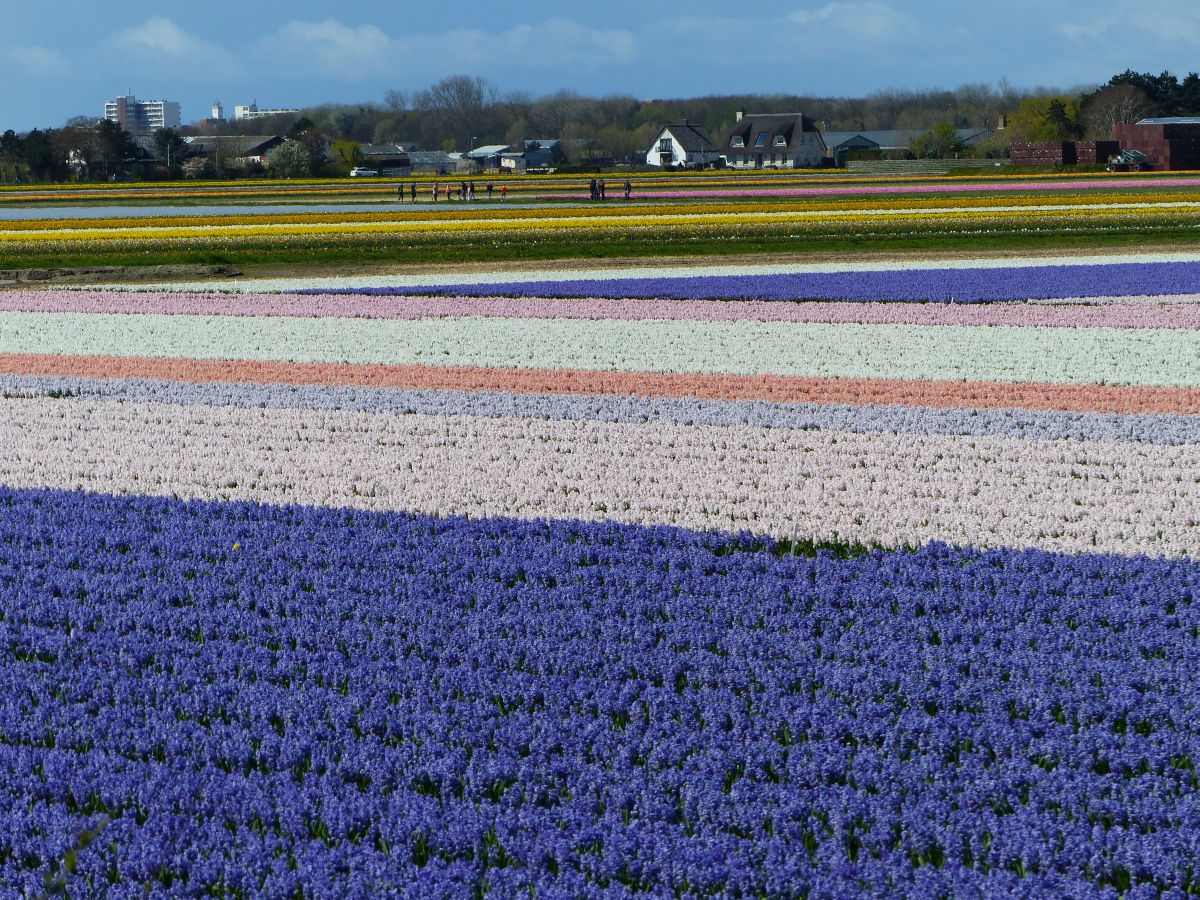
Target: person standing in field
<point>435,191</point>
<point>504,192</point>
<point>489,190</point>
<point>412,192</point>
<point>628,188</point>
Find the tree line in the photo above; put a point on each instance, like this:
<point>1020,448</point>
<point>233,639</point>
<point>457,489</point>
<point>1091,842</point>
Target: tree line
<point>461,112</point>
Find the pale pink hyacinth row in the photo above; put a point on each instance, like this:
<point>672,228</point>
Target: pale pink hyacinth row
<point>891,489</point>
<point>1114,314</point>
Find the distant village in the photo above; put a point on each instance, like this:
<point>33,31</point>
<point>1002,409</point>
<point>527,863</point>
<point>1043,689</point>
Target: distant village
<point>1113,127</point>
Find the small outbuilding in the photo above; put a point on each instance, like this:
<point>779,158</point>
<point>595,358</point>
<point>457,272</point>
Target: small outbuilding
<point>890,144</point>
<point>390,160</point>
<point>234,149</point>
<point>488,157</point>
<point>430,162</point>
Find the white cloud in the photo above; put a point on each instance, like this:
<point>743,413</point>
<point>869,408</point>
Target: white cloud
<point>333,47</point>
<point>869,21</point>
<point>37,61</point>
<point>1177,24</point>
<point>356,53</point>
<point>159,39</point>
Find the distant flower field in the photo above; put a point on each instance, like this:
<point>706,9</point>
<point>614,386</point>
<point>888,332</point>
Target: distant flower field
<point>548,217</point>
<point>750,580</point>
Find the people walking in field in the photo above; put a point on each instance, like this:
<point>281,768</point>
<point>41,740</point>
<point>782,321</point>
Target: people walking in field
<point>601,187</point>
<point>594,189</point>
<point>504,192</point>
<point>412,192</point>
<point>435,191</point>
<point>489,190</point>
<point>400,191</point>
<point>471,192</point>
<point>628,189</point>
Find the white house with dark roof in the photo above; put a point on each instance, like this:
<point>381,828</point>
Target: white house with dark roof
<point>683,145</point>
<point>774,140</point>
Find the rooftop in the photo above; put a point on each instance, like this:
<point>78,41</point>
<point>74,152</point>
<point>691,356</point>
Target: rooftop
<point>1171,120</point>
<point>896,138</point>
<point>691,137</point>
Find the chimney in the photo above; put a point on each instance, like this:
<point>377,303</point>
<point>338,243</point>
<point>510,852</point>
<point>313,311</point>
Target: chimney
<point>741,114</point>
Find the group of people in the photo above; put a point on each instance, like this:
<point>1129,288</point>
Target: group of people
<point>599,189</point>
<point>464,191</point>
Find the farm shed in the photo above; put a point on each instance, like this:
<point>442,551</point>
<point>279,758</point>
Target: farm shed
<point>386,159</point>
<point>1169,143</point>
<point>891,143</point>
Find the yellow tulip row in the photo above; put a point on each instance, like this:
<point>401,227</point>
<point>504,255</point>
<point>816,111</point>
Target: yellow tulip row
<point>492,217</point>
<point>914,221</point>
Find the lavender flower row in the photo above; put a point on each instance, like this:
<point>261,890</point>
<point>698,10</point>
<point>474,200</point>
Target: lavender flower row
<point>1161,429</point>
<point>278,702</point>
<point>952,285</point>
<point>1179,311</point>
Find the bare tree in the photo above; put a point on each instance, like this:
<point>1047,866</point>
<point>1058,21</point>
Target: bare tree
<point>552,114</point>
<point>461,100</point>
<point>1119,104</point>
<point>396,101</point>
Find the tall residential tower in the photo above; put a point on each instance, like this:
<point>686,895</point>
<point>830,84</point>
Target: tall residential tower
<point>142,116</point>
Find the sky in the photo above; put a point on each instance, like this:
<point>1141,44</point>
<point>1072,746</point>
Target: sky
<point>66,58</point>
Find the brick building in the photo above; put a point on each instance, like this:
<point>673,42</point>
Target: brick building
<point>1169,143</point>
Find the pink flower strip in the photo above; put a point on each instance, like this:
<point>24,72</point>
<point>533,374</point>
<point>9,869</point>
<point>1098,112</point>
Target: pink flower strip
<point>1080,398</point>
<point>892,489</point>
<point>1100,315</point>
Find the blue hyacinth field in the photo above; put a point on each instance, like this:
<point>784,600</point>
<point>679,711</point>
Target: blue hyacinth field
<point>230,699</point>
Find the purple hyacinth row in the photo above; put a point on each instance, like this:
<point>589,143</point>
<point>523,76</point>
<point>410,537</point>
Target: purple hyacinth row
<point>272,702</point>
<point>937,285</point>
<point>1164,430</point>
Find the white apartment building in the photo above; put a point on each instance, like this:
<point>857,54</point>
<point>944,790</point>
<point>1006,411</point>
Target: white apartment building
<point>251,111</point>
<point>142,116</point>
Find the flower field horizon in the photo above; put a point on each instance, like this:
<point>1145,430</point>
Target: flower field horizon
<point>787,579</point>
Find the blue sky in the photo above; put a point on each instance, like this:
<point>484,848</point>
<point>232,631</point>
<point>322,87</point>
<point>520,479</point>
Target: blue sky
<point>65,58</point>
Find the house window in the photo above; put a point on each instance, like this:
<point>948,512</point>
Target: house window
<point>737,141</point>
<point>664,145</point>
<point>780,140</point>
<point>761,140</point>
